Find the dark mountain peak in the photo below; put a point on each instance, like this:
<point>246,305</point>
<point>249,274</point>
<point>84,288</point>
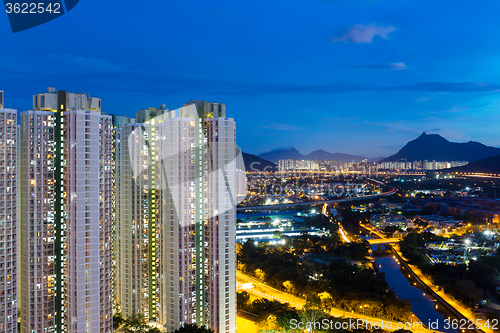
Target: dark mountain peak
<point>290,153</point>
<point>282,149</point>
<point>376,159</point>
<point>284,153</point>
<point>255,163</point>
<point>323,155</point>
<point>430,137</point>
<point>319,151</point>
<point>434,147</point>
<point>486,165</point>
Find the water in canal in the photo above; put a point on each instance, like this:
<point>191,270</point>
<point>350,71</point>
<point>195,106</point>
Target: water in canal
<point>423,306</point>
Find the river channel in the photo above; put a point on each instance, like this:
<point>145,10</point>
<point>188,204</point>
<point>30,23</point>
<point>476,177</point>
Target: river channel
<point>423,306</point>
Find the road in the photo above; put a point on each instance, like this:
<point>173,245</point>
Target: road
<point>427,284</point>
<point>265,291</point>
<point>343,233</point>
<point>477,175</point>
<point>278,206</point>
<point>384,241</point>
<point>340,172</point>
<point>268,292</point>
<point>372,230</point>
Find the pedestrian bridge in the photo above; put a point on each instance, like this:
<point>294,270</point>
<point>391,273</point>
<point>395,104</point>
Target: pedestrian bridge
<point>384,241</point>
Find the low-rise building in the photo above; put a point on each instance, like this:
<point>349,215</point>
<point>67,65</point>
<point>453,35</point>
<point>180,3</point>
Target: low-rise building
<point>383,221</point>
<point>273,235</point>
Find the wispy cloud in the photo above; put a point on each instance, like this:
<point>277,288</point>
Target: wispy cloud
<point>395,126</point>
<point>78,63</point>
<point>397,65</point>
<point>426,98</point>
<point>281,127</point>
<point>403,127</point>
<point>393,65</point>
<point>104,75</point>
<point>361,33</point>
<point>456,109</point>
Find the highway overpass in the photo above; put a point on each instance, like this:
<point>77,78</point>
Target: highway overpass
<point>384,241</point>
<point>288,205</point>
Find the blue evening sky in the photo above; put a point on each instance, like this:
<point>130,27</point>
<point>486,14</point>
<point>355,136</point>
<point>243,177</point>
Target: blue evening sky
<point>352,76</point>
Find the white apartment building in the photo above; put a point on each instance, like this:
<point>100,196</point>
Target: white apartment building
<point>66,211</point>
<point>297,165</point>
<point>36,221</point>
<point>188,216</point>
<point>132,213</point>
<point>8,219</point>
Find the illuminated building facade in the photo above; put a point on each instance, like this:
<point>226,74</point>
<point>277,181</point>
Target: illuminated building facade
<point>175,206</point>
<point>8,219</point>
<point>65,223</point>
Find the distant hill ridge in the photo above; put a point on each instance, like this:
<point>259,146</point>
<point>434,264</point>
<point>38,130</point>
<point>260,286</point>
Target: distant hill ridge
<point>485,165</point>
<point>290,153</point>
<point>255,163</point>
<point>320,154</point>
<point>434,147</point>
<point>284,153</point>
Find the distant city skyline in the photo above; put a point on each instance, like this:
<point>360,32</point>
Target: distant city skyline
<point>361,77</point>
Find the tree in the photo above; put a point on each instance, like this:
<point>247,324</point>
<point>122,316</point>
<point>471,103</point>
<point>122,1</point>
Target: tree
<point>193,328</point>
<point>135,324</point>
<point>242,299</point>
<point>117,318</point>
<point>263,308</point>
<point>492,314</point>
<point>154,330</point>
<point>248,250</point>
<point>313,302</point>
<point>288,285</point>
<point>392,229</point>
<point>484,271</point>
<point>284,318</point>
<point>277,234</point>
<point>469,289</point>
<point>311,316</point>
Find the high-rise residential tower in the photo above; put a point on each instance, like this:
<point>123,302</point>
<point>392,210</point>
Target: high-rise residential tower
<point>132,217</point>
<point>8,218</point>
<point>118,122</point>
<point>176,259</point>
<point>65,224</point>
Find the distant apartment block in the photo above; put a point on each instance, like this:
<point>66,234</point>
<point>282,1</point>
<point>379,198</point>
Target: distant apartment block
<point>119,121</point>
<point>421,165</point>
<point>65,215</point>
<point>486,210</point>
<point>297,165</point>
<point>313,165</point>
<point>175,216</point>
<point>439,222</point>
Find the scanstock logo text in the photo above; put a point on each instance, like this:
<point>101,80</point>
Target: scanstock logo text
<point>26,14</point>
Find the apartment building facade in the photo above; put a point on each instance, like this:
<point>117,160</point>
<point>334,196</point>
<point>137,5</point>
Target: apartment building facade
<point>181,217</point>
<point>8,219</point>
<point>66,212</point>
